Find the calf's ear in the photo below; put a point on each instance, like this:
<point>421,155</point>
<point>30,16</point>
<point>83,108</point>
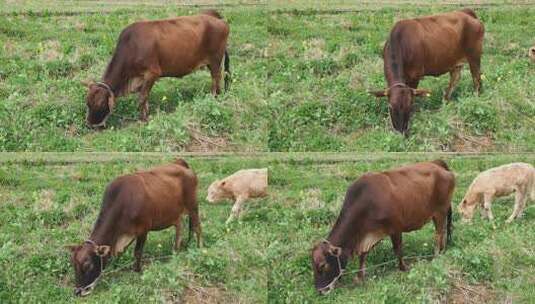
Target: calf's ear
<point>379,93</point>
<point>421,92</point>
<point>103,250</point>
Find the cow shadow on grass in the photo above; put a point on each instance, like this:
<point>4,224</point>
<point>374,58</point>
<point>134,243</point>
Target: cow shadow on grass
<point>166,96</point>
<point>382,263</point>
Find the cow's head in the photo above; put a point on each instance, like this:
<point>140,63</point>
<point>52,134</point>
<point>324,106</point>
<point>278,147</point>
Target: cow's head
<point>100,102</point>
<point>88,260</point>
<point>466,208</point>
<point>328,264</point>
<point>531,53</point>
<point>217,191</point>
<point>400,99</point>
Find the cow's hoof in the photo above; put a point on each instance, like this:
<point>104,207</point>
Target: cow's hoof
<point>358,280</point>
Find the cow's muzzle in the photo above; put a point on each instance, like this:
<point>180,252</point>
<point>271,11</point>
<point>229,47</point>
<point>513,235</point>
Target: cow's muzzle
<point>83,291</point>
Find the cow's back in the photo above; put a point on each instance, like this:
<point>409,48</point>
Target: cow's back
<point>174,47</point>
<point>432,45</point>
<point>407,197</point>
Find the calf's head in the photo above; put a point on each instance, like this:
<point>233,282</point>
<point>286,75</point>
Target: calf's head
<point>100,101</point>
<point>328,264</point>
<point>218,191</point>
<point>466,208</point>
<point>88,260</point>
<point>400,99</point>
<point>531,53</point>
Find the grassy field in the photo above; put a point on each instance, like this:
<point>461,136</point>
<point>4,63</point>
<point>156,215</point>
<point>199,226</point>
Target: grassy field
<point>49,201</point>
<point>301,72</point>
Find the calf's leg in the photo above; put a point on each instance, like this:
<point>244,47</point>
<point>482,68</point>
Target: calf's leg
<point>455,75</point>
<point>236,209</point>
<point>138,251</point>
<point>487,201</point>
<point>520,203</point>
<point>397,244</point>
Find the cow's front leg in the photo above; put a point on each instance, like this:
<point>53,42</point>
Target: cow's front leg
<point>144,97</point>
<point>397,245</point>
<point>359,278</point>
<point>138,251</point>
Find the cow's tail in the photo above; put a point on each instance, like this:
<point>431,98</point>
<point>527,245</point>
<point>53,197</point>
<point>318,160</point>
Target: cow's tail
<point>470,12</point>
<point>228,77</point>
<point>449,228</point>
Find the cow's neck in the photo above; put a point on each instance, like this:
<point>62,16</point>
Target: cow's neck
<point>115,78</point>
<point>105,232</point>
<point>393,64</point>
<point>344,236</point>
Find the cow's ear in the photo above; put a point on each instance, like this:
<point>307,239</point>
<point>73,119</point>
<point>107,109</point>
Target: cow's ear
<point>336,251</point>
<point>421,92</point>
<point>103,250</point>
<point>379,93</point>
<point>73,248</point>
<point>87,83</point>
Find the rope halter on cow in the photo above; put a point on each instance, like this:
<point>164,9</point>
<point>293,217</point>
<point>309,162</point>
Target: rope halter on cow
<point>107,87</point>
<point>90,286</point>
<point>341,270</point>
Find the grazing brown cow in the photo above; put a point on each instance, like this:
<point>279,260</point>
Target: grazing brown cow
<point>531,53</point>
<point>132,206</point>
<point>429,46</point>
<point>148,50</point>
<point>384,204</point>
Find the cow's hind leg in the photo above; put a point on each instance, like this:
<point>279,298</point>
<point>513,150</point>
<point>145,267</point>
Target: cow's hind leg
<point>455,75</point>
<point>440,221</point>
<point>178,234</point>
<point>520,203</point>
<point>397,244</point>
<point>474,60</point>
<point>195,224</point>
<point>138,251</point>
<point>215,72</point>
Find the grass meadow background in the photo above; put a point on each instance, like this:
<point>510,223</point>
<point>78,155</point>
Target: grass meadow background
<point>301,73</point>
<point>49,201</point>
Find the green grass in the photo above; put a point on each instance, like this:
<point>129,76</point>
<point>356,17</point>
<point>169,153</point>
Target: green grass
<point>301,75</point>
<point>50,200</point>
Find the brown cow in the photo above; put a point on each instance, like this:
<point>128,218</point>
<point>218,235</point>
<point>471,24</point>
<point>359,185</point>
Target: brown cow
<point>148,50</point>
<point>385,204</point>
<point>531,53</point>
<point>132,206</point>
<point>429,46</point>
